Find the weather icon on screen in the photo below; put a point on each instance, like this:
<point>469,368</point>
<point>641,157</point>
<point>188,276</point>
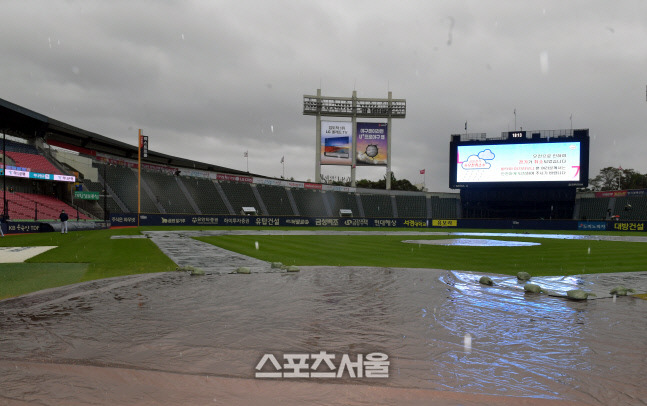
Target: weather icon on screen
<point>479,161</point>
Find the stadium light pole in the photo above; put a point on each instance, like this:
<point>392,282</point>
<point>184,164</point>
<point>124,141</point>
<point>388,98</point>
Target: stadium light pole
<point>105,195</point>
<point>389,174</point>
<point>515,118</point>
<point>142,152</point>
<point>139,174</point>
<point>5,210</point>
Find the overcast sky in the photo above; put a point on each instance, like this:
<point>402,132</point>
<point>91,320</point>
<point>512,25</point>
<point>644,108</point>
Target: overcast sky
<point>209,80</point>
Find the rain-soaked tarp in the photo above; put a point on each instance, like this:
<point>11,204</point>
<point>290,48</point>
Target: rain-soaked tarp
<point>173,338</point>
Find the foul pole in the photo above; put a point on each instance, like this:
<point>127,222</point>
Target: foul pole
<point>139,174</point>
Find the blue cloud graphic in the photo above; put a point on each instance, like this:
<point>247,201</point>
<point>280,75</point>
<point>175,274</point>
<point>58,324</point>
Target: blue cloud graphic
<point>486,154</point>
<point>474,162</point>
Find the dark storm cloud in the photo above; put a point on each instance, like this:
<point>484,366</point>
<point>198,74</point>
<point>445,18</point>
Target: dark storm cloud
<point>210,80</point>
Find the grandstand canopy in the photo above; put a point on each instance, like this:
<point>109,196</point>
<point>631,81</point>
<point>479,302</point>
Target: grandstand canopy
<point>20,122</point>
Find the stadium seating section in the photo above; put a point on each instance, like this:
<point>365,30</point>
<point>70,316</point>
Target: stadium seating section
<point>205,194</point>
<point>123,181</point>
<point>240,195</point>
<point>411,206</point>
<point>630,208</point>
<point>168,192</point>
<point>443,208</point>
<point>310,202</point>
<point>341,200</point>
<point>377,205</point>
<point>34,163</point>
<point>110,203</point>
<point>276,200</point>
<point>35,206</point>
<point>594,208</point>
<point>13,146</point>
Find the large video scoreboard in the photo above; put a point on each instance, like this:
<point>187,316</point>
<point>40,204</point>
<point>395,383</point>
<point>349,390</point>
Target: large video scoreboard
<point>520,159</point>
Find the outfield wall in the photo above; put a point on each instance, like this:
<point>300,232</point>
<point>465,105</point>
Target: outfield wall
<point>26,227</point>
<point>130,220</point>
<point>126,220</point>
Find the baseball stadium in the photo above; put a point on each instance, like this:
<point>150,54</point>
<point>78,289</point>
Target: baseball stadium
<point>184,282</point>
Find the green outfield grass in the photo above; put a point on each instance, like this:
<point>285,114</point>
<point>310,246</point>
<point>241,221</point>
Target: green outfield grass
<point>79,256</point>
<point>88,255</point>
<point>18,279</point>
<point>552,257</point>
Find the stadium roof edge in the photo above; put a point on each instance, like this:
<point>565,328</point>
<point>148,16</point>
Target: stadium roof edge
<point>5,104</point>
<point>28,124</point>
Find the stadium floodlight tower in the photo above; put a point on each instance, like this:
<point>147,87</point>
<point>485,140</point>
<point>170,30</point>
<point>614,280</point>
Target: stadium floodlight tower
<point>339,143</point>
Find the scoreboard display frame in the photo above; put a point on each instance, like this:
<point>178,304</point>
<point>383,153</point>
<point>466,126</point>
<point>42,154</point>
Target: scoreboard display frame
<point>531,161</point>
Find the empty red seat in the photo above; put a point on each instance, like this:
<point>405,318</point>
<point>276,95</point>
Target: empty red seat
<point>35,163</point>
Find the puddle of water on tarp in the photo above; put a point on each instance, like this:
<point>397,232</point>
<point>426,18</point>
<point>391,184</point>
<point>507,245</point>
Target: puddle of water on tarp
<point>600,284</point>
<point>473,242</point>
<point>626,238</point>
<point>221,325</point>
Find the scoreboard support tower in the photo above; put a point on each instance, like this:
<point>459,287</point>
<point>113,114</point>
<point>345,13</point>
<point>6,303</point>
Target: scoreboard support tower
<point>353,107</point>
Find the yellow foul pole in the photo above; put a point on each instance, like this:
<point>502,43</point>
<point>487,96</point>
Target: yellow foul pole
<point>139,174</point>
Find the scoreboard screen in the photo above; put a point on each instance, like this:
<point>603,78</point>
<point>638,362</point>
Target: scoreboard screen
<point>517,162</point>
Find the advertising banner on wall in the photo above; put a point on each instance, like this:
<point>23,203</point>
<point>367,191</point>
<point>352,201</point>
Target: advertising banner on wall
<point>371,144</point>
<point>336,142</point>
<point>611,193</point>
<point>121,219</point>
<point>86,195</point>
<point>234,178</point>
<point>592,225</point>
<point>35,175</point>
